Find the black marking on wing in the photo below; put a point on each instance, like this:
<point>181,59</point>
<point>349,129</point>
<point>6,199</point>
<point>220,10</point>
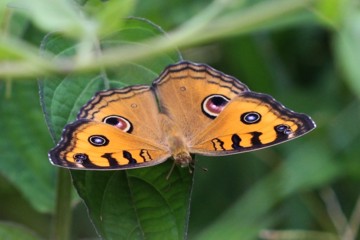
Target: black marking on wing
<point>145,155</point>
<point>236,142</point>
<point>129,157</point>
<point>112,161</point>
<point>255,140</point>
<point>213,105</point>
<point>84,160</point>
<point>281,136</point>
<point>218,145</point>
<point>81,158</point>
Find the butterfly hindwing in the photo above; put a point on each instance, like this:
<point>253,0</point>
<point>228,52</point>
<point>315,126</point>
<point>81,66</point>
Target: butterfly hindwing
<point>87,144</point>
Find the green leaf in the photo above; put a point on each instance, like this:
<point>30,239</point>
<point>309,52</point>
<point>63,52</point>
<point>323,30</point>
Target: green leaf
<point>134,204</point>
<point>110,15</point>
<point>329,11</point>
<point>309,167</point>
<point>347,45</point>
<point>11,49</point>
<point>11,231</point>
<point>24,145</point>
<point>137,204</point>
<point>56,15</point>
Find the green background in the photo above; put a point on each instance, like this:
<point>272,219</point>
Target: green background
<point>303,53</point>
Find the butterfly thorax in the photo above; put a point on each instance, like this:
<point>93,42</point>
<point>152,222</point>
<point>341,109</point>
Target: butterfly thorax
<point>176,142</point>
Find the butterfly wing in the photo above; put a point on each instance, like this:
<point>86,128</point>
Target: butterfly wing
<point>250,121</point>
<point>132,109</point>
<point>116,129</point>
<point>193,94</point>
<point>88,144</point>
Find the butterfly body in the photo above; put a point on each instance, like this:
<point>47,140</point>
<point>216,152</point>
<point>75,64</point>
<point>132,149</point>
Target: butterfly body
<point>189,108</point>
<point>175,142</point>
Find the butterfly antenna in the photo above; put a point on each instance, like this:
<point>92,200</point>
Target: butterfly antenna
<point>171,170</point>
<point>204,169</point>
<point>192,167</point>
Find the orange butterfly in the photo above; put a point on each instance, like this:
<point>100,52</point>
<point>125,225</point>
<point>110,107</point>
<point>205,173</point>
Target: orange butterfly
<point>189,108</point>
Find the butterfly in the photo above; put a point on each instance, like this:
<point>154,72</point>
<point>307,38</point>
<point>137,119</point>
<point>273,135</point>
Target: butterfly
<point>189,109</point>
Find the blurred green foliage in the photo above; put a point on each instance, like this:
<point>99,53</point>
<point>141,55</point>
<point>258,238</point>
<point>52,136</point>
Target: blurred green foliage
<point>304,53</point>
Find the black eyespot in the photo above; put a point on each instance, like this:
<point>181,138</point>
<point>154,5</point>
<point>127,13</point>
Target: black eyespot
<point>98,140</point>
<point>283,128</point>
<point>119,122</point>
<point>213,105</point>
<point>112,120</point>
<point>81,158</point>
<point>250,117</point>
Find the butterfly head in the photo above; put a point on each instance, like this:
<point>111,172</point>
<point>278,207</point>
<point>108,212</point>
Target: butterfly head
<point>183,159</point>
<point>179,151</point>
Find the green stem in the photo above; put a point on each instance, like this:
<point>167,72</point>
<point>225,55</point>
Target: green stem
<point>208,25</point>
<point>62,218</point>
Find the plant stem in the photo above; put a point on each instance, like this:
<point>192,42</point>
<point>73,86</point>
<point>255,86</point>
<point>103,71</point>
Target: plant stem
<point>206,26</point>
<point>62,218</point>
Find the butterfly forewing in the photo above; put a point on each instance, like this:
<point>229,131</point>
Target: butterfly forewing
<point>251,121</point>
<point>185,90</point>
<point>132,109</point>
